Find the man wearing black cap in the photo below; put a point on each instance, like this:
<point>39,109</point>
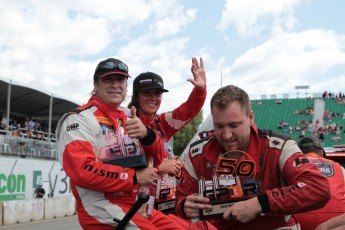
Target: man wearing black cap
<point>148,88</point>
<point>97,142</point>
<point>312,147</point>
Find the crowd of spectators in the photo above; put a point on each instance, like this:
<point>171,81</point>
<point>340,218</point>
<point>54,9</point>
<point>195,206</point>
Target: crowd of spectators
<point>339,97</point>
<point>24,127</point>
<point>327,129</point>
<point>25,137</point>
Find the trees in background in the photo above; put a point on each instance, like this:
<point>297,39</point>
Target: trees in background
<point>184,136</point>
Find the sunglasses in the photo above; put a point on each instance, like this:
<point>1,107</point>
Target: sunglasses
<point>113,65</point>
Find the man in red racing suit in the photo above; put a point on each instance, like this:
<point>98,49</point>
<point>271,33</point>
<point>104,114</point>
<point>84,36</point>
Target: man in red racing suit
<point>312,147</point>
<point>286,182</point>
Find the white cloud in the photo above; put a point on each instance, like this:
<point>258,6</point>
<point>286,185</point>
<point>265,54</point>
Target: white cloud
<point>174,23</point>
<point>289,59</point>
<point>44,41</point>
<point>250,17</point>
<point>55,45</point>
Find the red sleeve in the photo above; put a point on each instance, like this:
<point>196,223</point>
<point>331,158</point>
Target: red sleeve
<point>307,188</point>
<point>156,150</point>
<point>174,121</point>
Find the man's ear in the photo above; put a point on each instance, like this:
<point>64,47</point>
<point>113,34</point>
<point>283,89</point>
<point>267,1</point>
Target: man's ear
<point>251,116</point>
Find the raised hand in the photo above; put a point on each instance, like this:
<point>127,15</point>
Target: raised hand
<point>199,74</point>
<point>135,127</point>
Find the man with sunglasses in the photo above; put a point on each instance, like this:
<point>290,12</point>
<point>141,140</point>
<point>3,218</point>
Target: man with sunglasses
<point>98,143</point>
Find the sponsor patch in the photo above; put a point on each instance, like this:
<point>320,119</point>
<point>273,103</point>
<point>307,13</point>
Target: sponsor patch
<point>325,168</point>
<point>72,127</point>
<point>104,120</point>
<point>146,82</point>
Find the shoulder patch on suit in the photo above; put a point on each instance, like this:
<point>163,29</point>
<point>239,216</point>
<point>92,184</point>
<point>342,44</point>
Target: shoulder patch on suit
<point>197,146</point>
<point>72,127</point>
<point>276,140</point>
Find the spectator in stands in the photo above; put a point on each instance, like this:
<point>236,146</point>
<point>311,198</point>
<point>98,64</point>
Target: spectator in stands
<point>302,133</point>
<point>29,124</point>
<point>19,133</point>
<point>298,128</point>
<point>258,102</point>
<point>89,141</point>
<point>278,101</point>
<point>14,124</point>
<point>3,121</point>
<point>273,158</point>
<point>28,134</point>
<point>39,136</point>
<point>14,133</point>
<point>148,88</point>
<point>336,139</point>
<point>313,149</point>
<point>337,130</point>
<point>326,116</point>
<point>38,125</point>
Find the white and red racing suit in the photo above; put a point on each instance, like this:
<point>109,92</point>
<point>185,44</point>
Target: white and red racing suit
<point>103,191</point>
<point>335,174</point>
<point>286,182</point>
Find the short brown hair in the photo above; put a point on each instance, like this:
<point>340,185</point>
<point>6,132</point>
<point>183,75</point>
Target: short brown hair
<point>228,94</point>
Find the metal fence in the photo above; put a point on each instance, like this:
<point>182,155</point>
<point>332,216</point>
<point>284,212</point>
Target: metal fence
<point>27,148</point>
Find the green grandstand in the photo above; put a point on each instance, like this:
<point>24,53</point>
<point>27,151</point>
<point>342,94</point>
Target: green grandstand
<point>299,114</point>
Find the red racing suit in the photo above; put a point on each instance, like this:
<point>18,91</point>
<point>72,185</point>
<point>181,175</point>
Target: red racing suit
<point>102,191</point>
<point>287,182</point>
<point>335,174</point>
<point>169,123</point>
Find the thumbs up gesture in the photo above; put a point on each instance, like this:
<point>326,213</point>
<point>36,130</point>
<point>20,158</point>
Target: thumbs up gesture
<point>135,127</point>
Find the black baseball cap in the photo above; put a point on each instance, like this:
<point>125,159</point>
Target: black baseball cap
<point>110,66</point>
<point>310,141</point>
<point>147,81</point>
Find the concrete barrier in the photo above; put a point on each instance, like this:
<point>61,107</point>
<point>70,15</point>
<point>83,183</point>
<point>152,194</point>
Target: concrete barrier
<point>1,216</point>
<point>66,207</point>
<point>22,211</point>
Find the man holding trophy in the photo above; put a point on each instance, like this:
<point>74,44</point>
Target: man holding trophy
<point>243,177</point>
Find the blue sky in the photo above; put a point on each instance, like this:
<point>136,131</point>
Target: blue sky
<point>264,46</point>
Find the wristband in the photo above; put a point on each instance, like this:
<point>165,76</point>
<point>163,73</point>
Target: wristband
<point>262,214</point>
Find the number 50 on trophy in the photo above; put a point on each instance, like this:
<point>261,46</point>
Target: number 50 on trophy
<point>233,181</point>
